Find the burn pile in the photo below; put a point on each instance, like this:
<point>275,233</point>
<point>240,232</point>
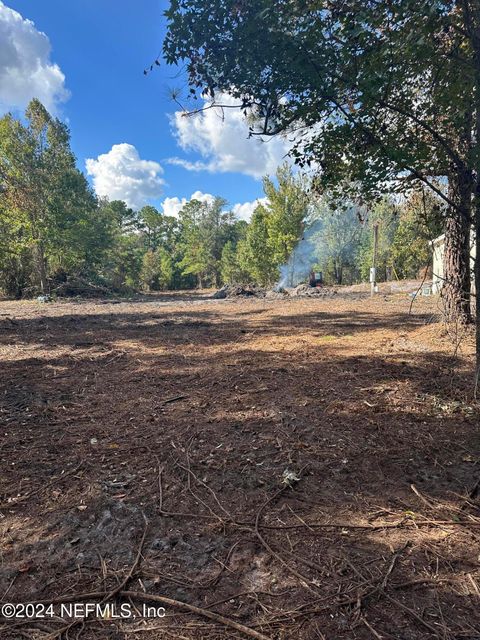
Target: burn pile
<point>237,290</point>
<point>300,291</point>
<point>307,291</point>
<point>78,287</point>
<point>277,293</point>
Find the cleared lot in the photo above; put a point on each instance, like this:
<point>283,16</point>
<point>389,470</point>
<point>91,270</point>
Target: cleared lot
<point>303,468</point>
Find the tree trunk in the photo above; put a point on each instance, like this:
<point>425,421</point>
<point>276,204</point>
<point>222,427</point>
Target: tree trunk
<point>475,40</point>
<point>338,269</point>
<point>470,10</point>
<point>291,260</point>
<point>39,259</point>
<point>457,286</point>
<point>476,270</point>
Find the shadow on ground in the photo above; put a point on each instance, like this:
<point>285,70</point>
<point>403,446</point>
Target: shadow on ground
<point>304,472</point>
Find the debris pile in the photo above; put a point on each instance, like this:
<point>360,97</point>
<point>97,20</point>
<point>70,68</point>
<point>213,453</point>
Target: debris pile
<point>306,291</point>
<point>76,286</point>
<point>277,293</point>
<point>300,291</point>
<point>236,290</point>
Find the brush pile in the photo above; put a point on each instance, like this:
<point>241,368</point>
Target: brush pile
<point>300,291</point>
<point>277,293</point>
<point>306,291</point>
<point>237,290</point>
<point>76,286</point>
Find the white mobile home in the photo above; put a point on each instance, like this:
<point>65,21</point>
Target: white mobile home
<point>438,246</point>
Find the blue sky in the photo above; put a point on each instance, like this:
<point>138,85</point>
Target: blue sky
<point>99,49</point>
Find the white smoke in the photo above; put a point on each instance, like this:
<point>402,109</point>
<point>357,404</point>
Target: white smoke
<point>302,259</point>
<point>331,235</point>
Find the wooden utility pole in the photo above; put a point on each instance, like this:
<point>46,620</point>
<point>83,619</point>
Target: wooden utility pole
<point>373,270</point>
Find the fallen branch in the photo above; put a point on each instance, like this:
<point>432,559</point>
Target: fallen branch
<point>422,498</point>
<point>129,575</point>
<point>205,613</point>
<point>176,604</point>
<point>174,399</point>
<point>371,629</point>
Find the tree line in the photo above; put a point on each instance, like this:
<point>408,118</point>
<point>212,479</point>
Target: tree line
<point>53,227</point>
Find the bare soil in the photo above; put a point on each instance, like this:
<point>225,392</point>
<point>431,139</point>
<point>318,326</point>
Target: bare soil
<point>302,468</point>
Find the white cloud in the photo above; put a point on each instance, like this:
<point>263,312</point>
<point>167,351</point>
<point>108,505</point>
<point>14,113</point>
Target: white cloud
<point>121,174</point>
<point>203,197</point>
<point>243,211</point>
<point>190,166</point>
<point>220,136</point>
<point>173,206</point>
<point>26,70</point>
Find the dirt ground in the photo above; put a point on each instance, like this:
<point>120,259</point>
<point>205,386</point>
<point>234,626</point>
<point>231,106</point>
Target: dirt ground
<point>275,469</point>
